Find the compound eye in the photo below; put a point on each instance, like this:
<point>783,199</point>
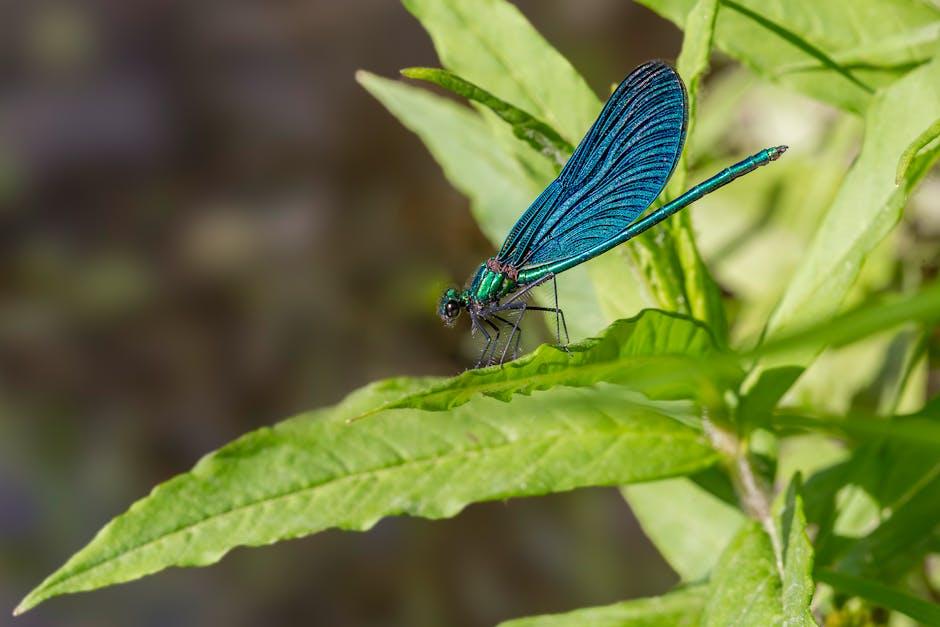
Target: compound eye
<point>452,308</point>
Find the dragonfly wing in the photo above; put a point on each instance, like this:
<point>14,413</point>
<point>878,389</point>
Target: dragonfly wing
<point>616,172</point>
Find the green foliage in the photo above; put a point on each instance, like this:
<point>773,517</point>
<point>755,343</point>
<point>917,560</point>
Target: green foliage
<point>869,203</point>
<point>840,51</point>
<point>661,355</point>
<point>764,575</point>
<point>680,608</point>
<point>694,417</point>
<point>319,471</point>
<point>689,525</point>
<point>881,595</point>
<point>745,584</point>
<point>483,41</point>
<point>534,132</point>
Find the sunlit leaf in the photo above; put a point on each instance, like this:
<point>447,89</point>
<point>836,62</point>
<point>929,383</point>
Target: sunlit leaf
<point>916,432</point>
<point>838,51</point>
<point>320,471</point>
<point>760,581</point>
<point>663,355</point>
<point>868,205</point>
<point>490,43</point>
<point>668,256</point>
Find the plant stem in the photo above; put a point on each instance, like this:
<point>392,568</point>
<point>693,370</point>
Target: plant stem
<point>754,494</point>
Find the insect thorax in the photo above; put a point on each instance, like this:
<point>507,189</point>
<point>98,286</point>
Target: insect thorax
<point>489,285</point>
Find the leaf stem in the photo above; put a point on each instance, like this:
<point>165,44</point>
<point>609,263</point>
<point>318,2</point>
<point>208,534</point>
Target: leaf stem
<point>754,494</point>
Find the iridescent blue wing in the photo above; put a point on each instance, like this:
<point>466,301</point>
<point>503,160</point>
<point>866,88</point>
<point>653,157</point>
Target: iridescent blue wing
<point>616,172</point>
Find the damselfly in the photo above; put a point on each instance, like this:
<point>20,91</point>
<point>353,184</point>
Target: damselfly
<point>616,172</point>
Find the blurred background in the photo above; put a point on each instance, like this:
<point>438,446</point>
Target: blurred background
<point>208,226</point>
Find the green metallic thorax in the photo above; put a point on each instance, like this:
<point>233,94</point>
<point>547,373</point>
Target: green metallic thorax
<point>488,286</point>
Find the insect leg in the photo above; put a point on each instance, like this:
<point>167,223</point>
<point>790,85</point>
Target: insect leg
<point>489,340</point>
<point>523,306</point>
<point>514,333</point>
<point>560,314</point>
<point>560,322</point>
<point>495,341</point>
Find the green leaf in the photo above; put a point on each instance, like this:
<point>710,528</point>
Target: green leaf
<point>918,145</point>
<point>529,129</point>
<point>654,256</point>
<point>916,432</point>
<point>689,526</point>
<point>752,585</point>
<point>692,63</point>
<point>461,143</point>
<point>877,513</point>
<point>853,325</point>
<point>680,608</point>
<point>745,584</point>
<point>839,51</point>
<point>704,297</point>
<point>797,578</point>
<point>660,354</point>
<point>481,168</point>
<point>897,544</point>
<point>868,205</point>
<point>490,43</point>
<point>753,233</point>
<point>319,471</point>
<point>881,595</point>
<point>620,289</point>
<point>851,501</point>
<point>765,390</point>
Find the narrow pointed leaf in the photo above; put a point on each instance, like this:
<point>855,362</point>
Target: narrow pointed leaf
<point>319,471</point>
<point>913,431</point>
<point>860,322</point>
<point>529,129</point>
<point>699,30</point>
<point>680,608</point>
<point>797,584</point>
<point>668,256</point>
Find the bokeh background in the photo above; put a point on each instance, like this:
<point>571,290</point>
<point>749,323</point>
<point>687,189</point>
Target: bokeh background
<point>206,226</point>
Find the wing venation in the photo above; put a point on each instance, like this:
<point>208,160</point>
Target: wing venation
<point>615,173</point>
